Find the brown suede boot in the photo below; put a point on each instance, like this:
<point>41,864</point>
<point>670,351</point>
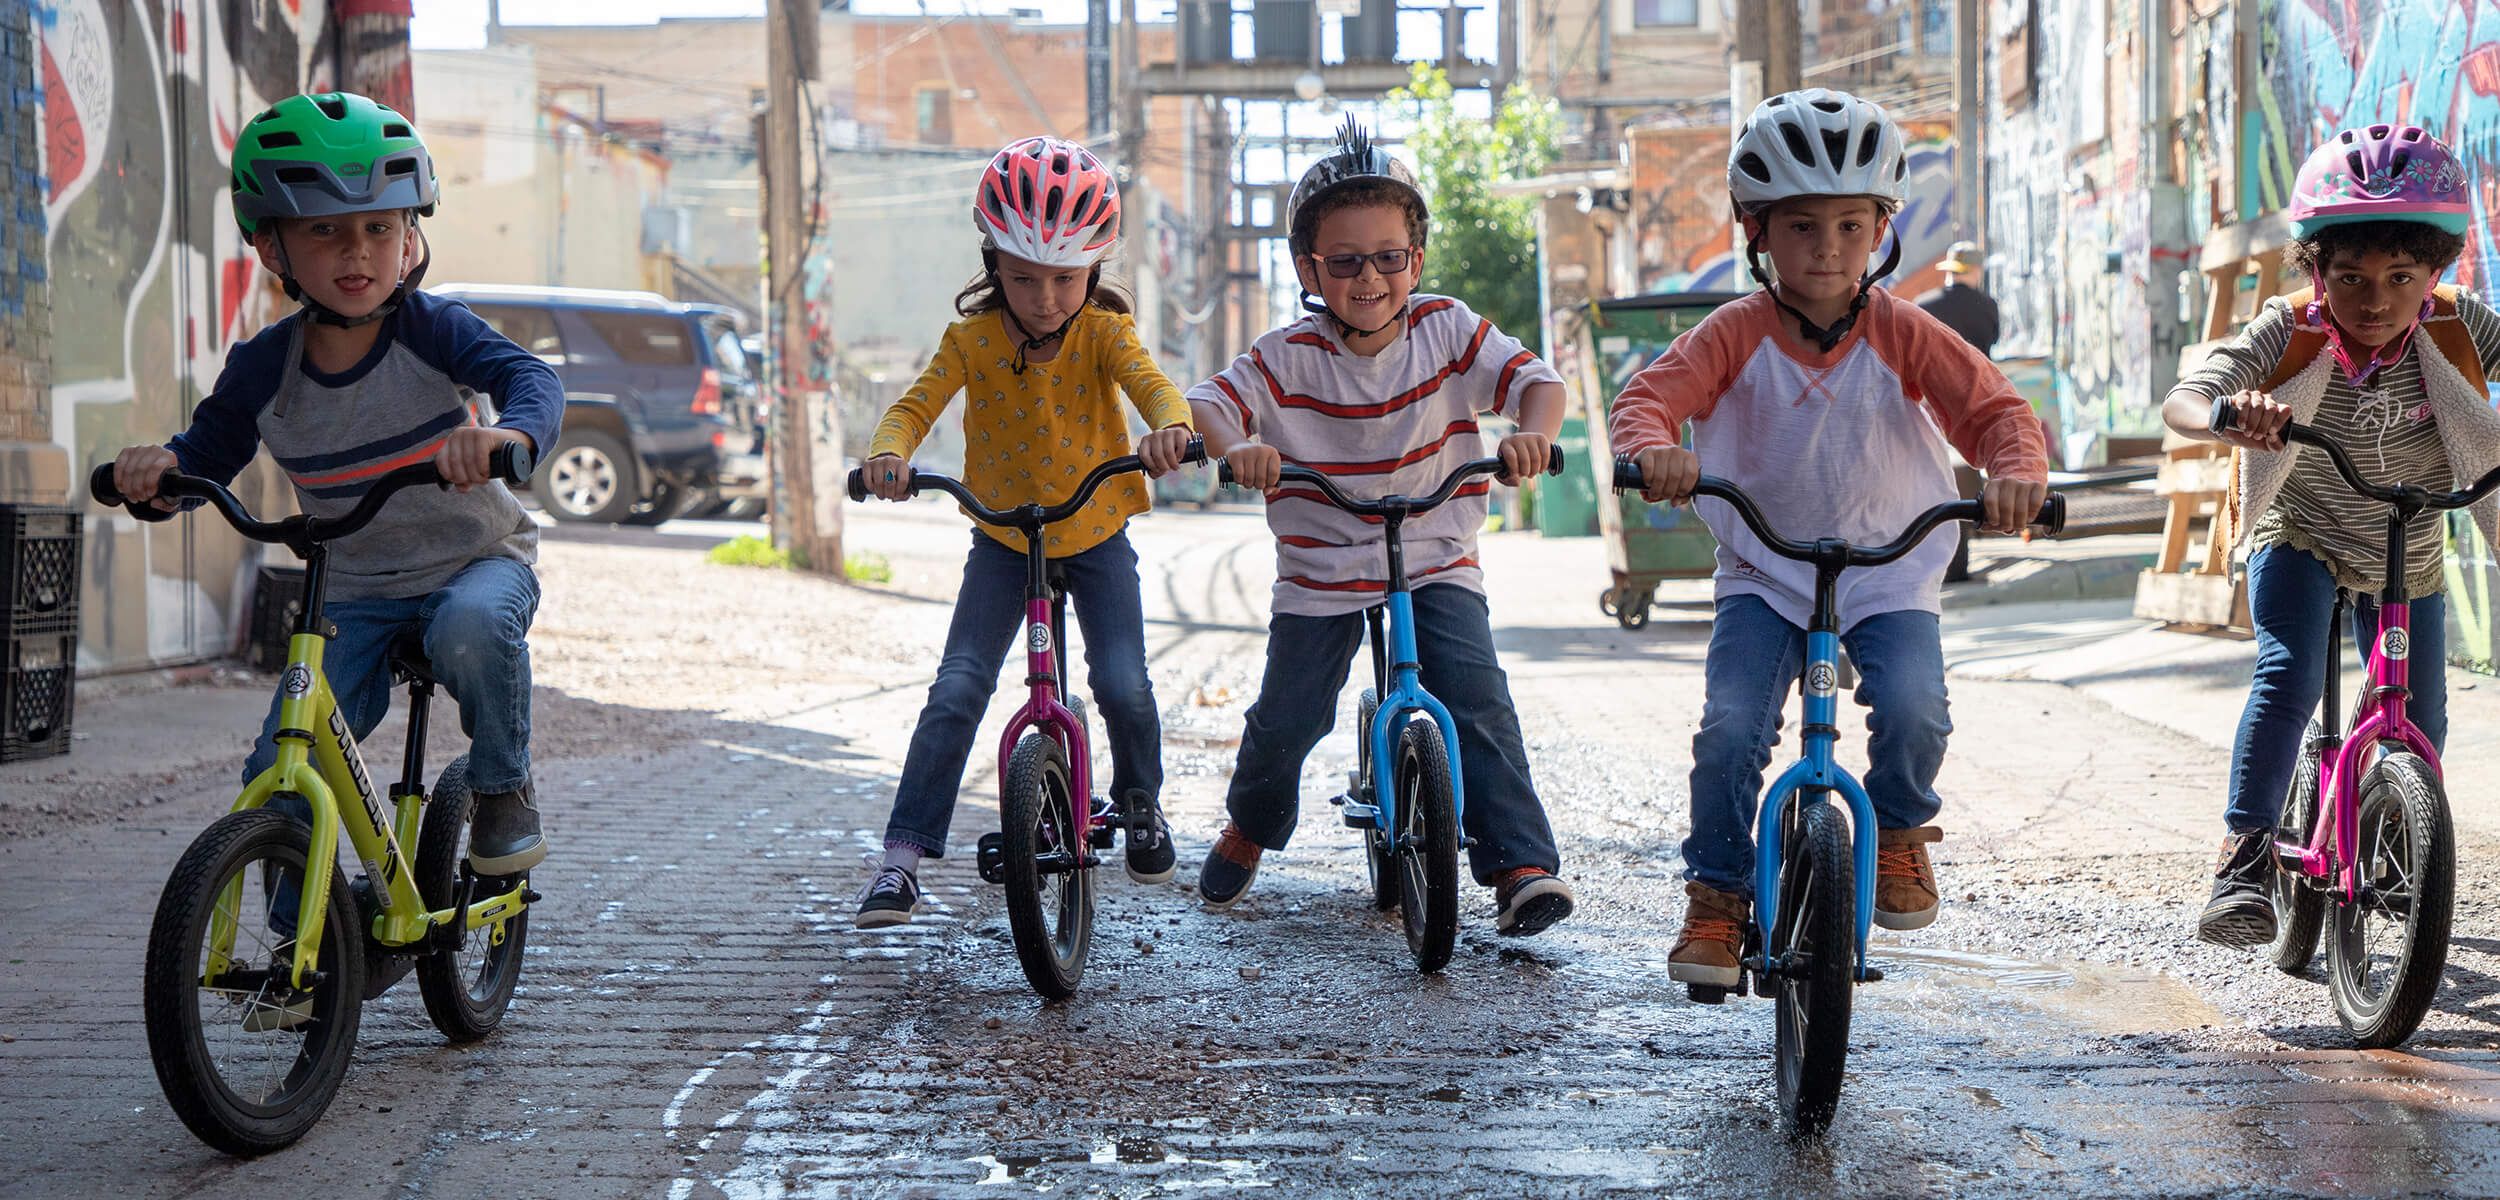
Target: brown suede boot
<point>1905,882</point>
<point>1713,938</point>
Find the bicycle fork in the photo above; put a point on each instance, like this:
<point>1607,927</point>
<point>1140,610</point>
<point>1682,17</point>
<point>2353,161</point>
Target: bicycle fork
<point>1819,683</point>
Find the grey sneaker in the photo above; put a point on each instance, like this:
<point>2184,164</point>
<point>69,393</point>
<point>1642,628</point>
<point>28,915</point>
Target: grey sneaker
<point>263,1014</point>
<point>503,833</point>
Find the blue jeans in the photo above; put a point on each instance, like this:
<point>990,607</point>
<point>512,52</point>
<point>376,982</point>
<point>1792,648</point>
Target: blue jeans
<point>1755,656</point>
<point>2291,597</point>
<point>476,630</point>
<point>1101,585</point>
<point>1307,658</point>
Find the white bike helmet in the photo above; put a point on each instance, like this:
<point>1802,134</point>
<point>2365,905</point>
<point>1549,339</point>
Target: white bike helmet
<point>1817,142</point>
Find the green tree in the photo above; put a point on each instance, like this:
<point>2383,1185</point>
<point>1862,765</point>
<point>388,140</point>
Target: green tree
<point>1483,247</point>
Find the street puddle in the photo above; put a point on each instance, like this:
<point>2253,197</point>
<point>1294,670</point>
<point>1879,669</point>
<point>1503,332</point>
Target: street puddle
<point>1129,1151</point>
<point>2103,998</point>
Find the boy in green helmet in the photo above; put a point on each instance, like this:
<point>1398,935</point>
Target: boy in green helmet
<point>370,376</point>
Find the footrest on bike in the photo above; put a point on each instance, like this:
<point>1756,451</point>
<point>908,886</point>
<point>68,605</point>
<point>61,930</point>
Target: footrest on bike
<point>1360,816</point>
<point>1874,974</point>
<point>991,857</point>
<point>1703,993</point>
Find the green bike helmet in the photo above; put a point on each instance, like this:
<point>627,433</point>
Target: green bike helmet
<point>328,155</point>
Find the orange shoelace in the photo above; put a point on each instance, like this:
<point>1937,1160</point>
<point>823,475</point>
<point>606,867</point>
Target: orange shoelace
<point>1236,848</point>
<point>1904,861</point>
<point>1712,929</point>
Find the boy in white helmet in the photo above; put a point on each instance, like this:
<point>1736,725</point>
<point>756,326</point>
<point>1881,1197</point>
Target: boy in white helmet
<point>1831,402</point>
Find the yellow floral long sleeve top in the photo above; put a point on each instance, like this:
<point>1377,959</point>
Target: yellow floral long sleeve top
<point>1034,437</point>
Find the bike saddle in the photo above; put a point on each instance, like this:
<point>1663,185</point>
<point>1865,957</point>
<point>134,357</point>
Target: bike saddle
<point>406,658</point>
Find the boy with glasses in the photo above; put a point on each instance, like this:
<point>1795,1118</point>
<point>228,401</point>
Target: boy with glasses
<point>1382,390</point>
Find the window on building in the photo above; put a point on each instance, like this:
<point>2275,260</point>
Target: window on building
<point>1666,13</point>
<point>933,113</point>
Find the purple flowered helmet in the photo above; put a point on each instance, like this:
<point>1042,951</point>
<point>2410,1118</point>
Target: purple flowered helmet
<point>2381,173</point>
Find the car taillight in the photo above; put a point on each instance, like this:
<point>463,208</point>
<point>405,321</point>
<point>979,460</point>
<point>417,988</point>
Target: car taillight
<point>707,394</point>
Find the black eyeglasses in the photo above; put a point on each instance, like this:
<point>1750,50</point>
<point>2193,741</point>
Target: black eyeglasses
<point>1347,266</point>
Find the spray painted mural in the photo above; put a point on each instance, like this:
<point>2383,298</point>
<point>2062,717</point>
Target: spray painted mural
<point>1687,238</point>
<point>151,282</point>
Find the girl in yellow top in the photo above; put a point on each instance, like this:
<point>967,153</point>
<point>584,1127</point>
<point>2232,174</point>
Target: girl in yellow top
<point>1042,353</point>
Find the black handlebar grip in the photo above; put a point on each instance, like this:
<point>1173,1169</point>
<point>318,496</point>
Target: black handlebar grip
<point>857,485</point>
<point>1628,476</point>
<point>1224,471</point>
<point>1553,460</point>
<point>1195,452</point>
<point>512,462</point>
<point>2225,415</point>
<point>100,485</point>
<point>2052,513</point>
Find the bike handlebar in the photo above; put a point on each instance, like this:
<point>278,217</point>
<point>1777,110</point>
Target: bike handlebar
<point>2052,518</point>
<point>511,463</point>
<point>2403,495</point>
<point>1023,516</point>
<point>1400,506</point>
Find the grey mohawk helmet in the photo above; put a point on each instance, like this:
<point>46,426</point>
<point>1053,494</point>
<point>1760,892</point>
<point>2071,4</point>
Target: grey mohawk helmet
<point>1356,161</point>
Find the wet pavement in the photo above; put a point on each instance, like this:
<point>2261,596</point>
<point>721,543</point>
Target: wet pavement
<point>698,1018</point>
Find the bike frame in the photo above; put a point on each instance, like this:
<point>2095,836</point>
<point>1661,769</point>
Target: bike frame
<point>2334,846</point>
<point>1817,774</point>
<point>1045,630</point>
<point>318,760</point>
<point>1402,693</point>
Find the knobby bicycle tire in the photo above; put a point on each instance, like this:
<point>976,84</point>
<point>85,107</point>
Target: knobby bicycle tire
<point>2407,853</point>
<point>1427,850</point>
<point>1037,815</point>
<point>467,989</point>
<point>1817,921</point>
<point>314,1053</point>
<point>2299,907</point>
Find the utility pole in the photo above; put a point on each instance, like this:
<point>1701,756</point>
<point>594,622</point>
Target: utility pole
<point>1967,120</point>
<point>1766,55</point>
<point>1132,99</point>
<point>807,426</point>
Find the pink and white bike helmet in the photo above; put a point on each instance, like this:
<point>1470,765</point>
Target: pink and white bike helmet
<point>1049,201</point>
<point>2381,173</point>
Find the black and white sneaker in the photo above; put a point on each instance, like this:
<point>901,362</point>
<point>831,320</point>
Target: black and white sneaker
<point>889,899</point>
<point>1150,857</point>
<point>2241,913</point>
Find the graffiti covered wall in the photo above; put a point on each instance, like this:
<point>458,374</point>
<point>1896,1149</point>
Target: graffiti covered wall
<point>1686,236</point>
<point>151,281</point>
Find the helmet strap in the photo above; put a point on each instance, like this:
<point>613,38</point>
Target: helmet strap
<point>1311,303</point>
<point>1824,337</point>
<point>2359,372</point>
<point>1031,342</point>
<point>324,314</point>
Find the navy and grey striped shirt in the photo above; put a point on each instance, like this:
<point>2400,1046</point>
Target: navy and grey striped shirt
<point>334,435</point>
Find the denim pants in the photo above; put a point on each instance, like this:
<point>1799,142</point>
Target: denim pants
<point>2291,597</point>
<point>1101,585</point>
<point>476,630</point>
<point>1755,656</point>
<point>1307,659</point>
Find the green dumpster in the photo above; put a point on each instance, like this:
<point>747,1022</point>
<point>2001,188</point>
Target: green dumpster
<point>1566,504</point>
<point>1601,347</point>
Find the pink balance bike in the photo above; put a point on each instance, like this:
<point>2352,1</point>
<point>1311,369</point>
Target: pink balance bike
<point>1050,822</point>
<point>2364,850</point>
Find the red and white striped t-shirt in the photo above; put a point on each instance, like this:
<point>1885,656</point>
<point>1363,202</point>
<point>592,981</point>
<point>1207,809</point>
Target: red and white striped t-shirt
<point>1394,423</point>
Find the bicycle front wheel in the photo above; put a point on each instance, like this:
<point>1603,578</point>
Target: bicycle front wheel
<point>1426,852</point>
<point>1050,892</point>
<point>467,987</point>
<point>1377,862</point>
<point>247,1060</point>
<point>2385,950</point>
<point>1813,948</point>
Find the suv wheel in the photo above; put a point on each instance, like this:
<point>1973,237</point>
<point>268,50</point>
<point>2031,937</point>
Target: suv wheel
<point>590,477</point>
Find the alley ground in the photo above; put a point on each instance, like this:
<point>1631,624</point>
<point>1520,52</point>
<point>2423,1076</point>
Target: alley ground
<point>698,1019</point>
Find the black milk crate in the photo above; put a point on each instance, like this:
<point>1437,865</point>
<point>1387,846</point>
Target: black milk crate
<point>277,596</point>
<point>35,694</point>
<point>38,568</point>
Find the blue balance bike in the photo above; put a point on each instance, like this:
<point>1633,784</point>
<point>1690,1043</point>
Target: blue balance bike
<point>1411,815</point>
<point>1814,875</point>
